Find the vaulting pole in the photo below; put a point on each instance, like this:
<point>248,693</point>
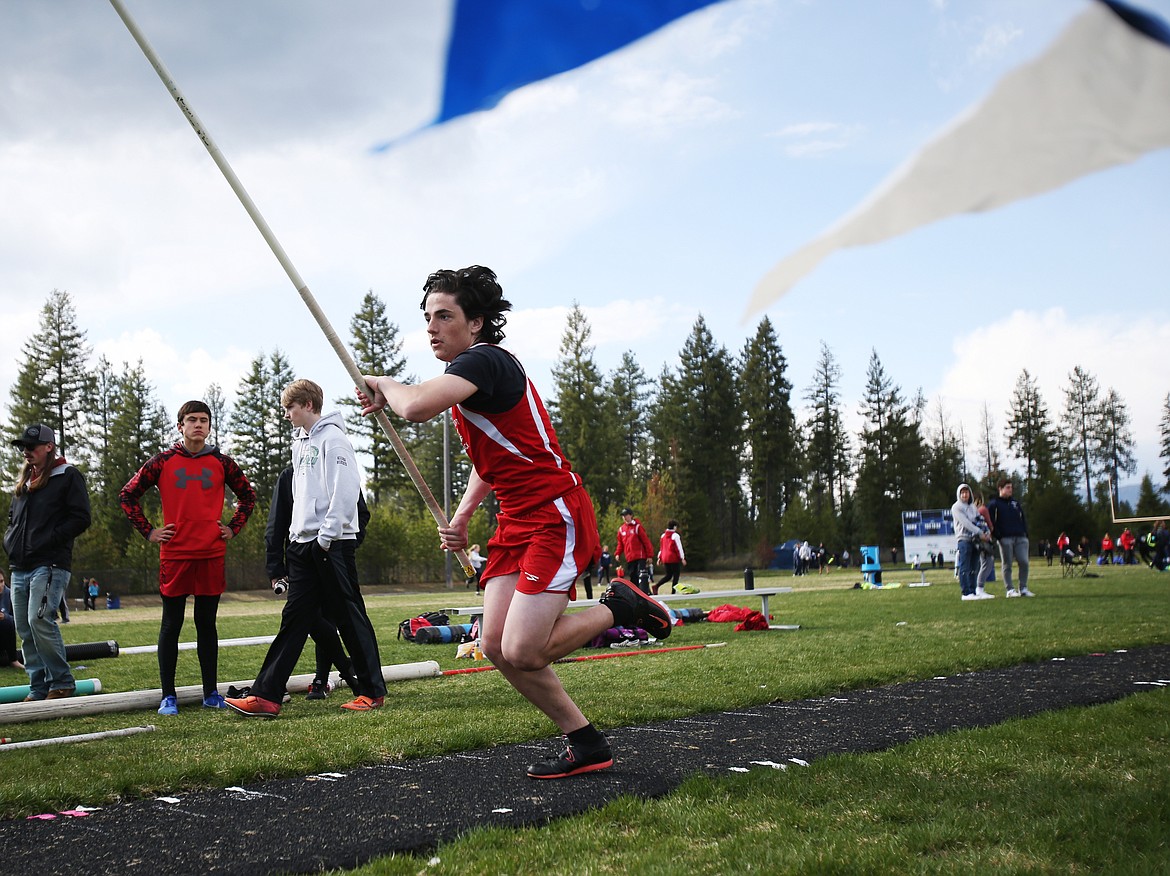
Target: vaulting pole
<point>595,657</point>
<point>286,263</point>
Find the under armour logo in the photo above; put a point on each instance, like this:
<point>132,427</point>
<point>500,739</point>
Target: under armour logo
<point>182,478</point>
<point>531,577</point>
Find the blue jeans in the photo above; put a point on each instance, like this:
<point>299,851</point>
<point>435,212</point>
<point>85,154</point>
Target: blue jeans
<point>1011,548</point>
<point>968,565</point>
<point>35,597</point>
<point>36,593</point>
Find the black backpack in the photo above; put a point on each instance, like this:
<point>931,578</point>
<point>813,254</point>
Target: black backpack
<point>410,627</point>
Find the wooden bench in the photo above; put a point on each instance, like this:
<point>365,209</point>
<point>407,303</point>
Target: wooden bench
<point>723,595</point>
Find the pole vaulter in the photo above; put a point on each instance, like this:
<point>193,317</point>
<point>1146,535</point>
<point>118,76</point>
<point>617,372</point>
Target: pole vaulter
<point>286,263</point>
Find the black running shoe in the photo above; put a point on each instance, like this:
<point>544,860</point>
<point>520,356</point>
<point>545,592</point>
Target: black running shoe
<point>648,613</point>
<point>572,761</point>
<point>318,690</point>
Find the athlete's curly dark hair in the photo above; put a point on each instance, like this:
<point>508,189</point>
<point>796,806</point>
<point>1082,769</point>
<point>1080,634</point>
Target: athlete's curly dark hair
<point>477,291</point>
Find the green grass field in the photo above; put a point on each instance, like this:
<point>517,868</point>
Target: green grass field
<point>1081,790</point>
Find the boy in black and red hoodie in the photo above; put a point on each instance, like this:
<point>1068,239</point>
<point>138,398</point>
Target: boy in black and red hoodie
<point>190,476</point>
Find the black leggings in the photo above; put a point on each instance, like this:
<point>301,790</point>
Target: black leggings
<point>206,640</point>
<point>673,570</point>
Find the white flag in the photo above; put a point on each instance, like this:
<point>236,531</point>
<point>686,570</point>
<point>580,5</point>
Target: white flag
<point>1098,97</point>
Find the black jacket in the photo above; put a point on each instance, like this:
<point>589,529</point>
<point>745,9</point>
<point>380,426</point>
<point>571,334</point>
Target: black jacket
<point>43,524</point>
<point>280,521</point>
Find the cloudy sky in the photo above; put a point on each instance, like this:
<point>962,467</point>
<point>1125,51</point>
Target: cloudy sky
<point>651,187</point>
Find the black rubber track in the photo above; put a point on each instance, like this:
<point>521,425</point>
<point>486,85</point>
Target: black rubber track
<point>275,827</point>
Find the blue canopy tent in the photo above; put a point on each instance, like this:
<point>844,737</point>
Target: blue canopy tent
<point>782,554</point>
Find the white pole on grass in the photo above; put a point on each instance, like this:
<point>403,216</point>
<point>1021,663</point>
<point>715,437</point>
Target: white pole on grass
<point>81,737</point>
<point>286,263</point>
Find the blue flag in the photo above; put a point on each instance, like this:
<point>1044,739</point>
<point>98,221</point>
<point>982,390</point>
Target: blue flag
<point>497,46</point>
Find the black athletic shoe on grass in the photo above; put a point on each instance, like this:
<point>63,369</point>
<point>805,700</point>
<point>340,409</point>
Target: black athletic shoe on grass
<point>318,690</point>
<point>571,762</point>
<point>624,600</point>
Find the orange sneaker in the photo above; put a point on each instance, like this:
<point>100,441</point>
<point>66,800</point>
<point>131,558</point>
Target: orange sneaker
<point>364,704</point>
<point>253,707</point>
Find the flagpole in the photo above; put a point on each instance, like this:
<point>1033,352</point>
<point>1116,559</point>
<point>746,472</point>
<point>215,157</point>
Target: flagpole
<point>286,263</point>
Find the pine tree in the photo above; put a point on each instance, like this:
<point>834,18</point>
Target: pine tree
<point>1116,448</point>
<point>260,435</point>
<point>889,477</point>
<point>625,414</point>
<point>139,428</point>
<point>1150,504</point>
<point>218,403</point>
<point>579,395</point>
<point>944,464</point>
<point>769,430</point>
<point>827,449</point>
<point>989,459</point>
<point>701,402</point>
<point>1029,431</point>
<point>377,349</point>
<point>1081,424</point>
<point>55,385</point>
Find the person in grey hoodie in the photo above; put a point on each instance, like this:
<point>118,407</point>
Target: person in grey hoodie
<point>968,533</point>
<point>322,572</point>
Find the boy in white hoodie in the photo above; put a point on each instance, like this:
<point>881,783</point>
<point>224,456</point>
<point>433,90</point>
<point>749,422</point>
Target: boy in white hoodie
<point>322,572</point>
<point>968,533</point>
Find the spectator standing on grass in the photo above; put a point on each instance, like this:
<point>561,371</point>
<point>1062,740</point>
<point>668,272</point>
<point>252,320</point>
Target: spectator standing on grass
<point>1083,548</point>
<point>9,653</point>
<point>191,477</point>
<point>322,565</point>
<point>634,544</point>
<point>671,555</point>
<point>986,551</point>
<point>547,535</point>
<point>92,592</point>
<point>476,559</point>
<point>1161,546</point>
<point>969,533</point>
<point>1011,530</point>
<point>49,510</point>
<point>328,649</point>
<point>1106,555</point>
<point>1063,543</point>
<point>1125,543</point>
<point>603,564</point>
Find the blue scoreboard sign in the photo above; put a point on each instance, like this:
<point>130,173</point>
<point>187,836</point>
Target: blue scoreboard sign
<point>928,532</point>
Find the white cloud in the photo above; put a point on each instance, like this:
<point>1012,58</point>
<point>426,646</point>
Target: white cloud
<point>1122,352</point>
<point>995,41</point>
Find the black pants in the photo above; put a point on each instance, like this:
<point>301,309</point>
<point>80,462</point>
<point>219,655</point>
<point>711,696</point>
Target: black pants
<point>637,574</point>
<point>322,582</point>
<point>206,640</point>
<point>8,650</point>
<point>330,651</point>
<point>673,570</point>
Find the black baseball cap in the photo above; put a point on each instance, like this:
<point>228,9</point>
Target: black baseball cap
<point>38,433</point>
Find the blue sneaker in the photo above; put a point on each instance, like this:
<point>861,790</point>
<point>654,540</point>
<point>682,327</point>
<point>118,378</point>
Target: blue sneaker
<point>214,700</point>
<point>169,705</point>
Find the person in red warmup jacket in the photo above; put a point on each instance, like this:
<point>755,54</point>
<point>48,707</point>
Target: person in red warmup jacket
<point>634,544</point>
